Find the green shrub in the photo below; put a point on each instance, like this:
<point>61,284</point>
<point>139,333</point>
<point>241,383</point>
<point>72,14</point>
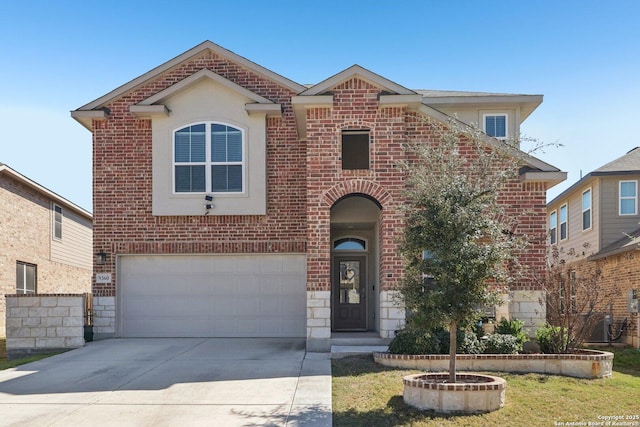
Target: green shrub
<point>435,341</point>
<point>552,339</point>
<point>513,327</point>
<point>502,344</point>
<point>413,341</point>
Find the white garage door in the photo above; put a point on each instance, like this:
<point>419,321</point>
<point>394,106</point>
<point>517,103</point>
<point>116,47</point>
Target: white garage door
<point>212,296</point>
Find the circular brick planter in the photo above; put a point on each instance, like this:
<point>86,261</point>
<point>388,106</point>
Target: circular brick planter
<point>471,393</point>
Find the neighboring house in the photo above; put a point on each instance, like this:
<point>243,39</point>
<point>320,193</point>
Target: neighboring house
<point>596,222</point>
<point>45,241</point>
<point>231,201</point>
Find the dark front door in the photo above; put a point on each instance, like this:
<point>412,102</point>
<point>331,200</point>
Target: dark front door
<point>349,293</point>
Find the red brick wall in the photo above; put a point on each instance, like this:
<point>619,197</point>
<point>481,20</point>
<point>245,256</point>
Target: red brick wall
<point>123,223</point>
<point>304,180</point>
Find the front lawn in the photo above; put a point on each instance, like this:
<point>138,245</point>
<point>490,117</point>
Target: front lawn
<point>6,364</point>
<point>368,394</point>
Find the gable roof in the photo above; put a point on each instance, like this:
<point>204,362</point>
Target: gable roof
<point>358,72</point>
<point>628,164</point>
<point>95,108</point>
<point>12,173</point>
<point>629,242</point>
<point>318,95</point>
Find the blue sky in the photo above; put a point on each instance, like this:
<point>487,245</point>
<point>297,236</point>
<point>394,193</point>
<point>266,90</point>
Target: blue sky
<point>583,56</point>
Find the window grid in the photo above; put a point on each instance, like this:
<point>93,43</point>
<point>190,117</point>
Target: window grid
<point>628,200</point>
<point>495,125</point>
<point>586,210</point>
<point>563,222</point>
<point>209,158</point>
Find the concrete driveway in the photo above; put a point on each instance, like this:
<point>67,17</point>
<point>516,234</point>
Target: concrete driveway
<point>172,382</point>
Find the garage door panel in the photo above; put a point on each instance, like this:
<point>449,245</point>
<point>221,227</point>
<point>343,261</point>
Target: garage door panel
<point>225,296</point>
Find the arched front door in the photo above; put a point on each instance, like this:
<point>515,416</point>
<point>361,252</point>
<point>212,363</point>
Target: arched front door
<point>354,290</point>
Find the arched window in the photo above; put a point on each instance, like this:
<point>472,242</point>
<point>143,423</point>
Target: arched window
<point>208,158</point>
<point>350,244</point>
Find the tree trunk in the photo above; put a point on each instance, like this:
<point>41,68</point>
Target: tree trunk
<point>453,335</point>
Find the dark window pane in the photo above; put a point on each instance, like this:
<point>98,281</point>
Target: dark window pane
<point>218,147</point>
<point>190,179</point>
<point>355,150</point>
<point>234,146</point>
<point>234,177</point>
<point>219,178</point>
<point>586,219</point>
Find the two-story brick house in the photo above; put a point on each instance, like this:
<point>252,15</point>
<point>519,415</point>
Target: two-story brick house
<point>45,240</point>
<point>596,223</point>
<point>231,201</point>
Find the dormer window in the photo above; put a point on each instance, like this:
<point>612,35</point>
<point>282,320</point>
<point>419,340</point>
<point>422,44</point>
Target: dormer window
<point>495,125</point>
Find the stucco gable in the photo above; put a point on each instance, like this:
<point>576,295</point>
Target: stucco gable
<point>155,103</point>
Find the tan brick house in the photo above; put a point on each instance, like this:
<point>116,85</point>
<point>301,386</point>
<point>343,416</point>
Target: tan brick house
<point>232,201</point>
<point>45,241</point>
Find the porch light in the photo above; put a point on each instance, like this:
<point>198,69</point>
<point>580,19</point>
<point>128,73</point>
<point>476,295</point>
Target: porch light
<point>101,257</point>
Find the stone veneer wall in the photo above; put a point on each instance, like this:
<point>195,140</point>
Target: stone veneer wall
<point>44,323</point>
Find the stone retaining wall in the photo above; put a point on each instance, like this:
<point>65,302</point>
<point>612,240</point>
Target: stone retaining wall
<point>44,323</point>
<point>588,364</point>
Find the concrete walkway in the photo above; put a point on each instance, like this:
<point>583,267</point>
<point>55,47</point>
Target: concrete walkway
<point>172,382</point>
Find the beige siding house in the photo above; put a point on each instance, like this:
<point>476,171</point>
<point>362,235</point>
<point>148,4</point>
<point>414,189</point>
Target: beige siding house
<point>597,221</point>
<point>46,241</point>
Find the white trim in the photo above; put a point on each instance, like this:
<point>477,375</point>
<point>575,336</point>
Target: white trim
<point>590,209</point>
<point>553,241</point>
<point>496,114</point>
<point>53,210</point>
<point>566,221</point>
<point>208,162</point>
<point>621,198</point>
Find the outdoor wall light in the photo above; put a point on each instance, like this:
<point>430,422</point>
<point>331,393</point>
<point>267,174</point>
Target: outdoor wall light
<point>101,257</point>
<point>208,198</point>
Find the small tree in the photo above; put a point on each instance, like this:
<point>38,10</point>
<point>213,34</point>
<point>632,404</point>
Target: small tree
<point>458,235</point>
<point>575,301</point>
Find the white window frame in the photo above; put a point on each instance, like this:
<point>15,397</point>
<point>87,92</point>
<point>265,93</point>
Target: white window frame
<point>506,124</point>
<point>634,198</point>
<point>590,209</point>
<point>553,231</point>
<point>23,289</point>
<point>564,207</point>
<point>208,163</point>
<point>55,221</point>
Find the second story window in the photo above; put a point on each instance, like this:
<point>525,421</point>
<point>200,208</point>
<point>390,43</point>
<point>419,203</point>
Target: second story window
<point>586,209</point>
<point>628,202</point>
<point>495,125</point>
<point>355,149</point>
<point>57,222</point>
<point>208,157</point>
<point>563,222</point>
<point>553,227</point>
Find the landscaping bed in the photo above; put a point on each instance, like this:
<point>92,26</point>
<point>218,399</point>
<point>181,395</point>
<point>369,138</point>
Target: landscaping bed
<point>367,393</point>
<point>588,364</point>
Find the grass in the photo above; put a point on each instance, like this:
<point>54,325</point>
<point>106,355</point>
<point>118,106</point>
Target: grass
<point>6,364</point>
<point>368,394</point>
